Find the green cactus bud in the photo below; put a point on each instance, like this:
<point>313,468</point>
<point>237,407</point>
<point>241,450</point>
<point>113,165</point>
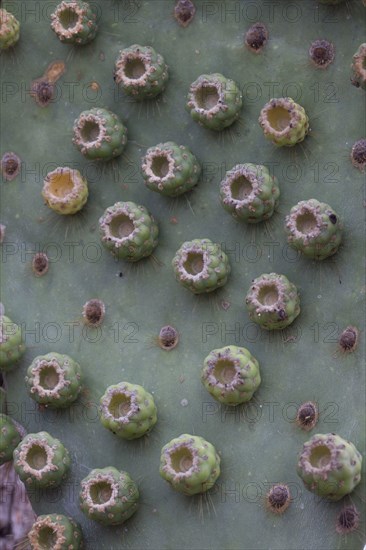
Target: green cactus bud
<point>231,375</point>
<point>55,532</point>
<point>99,134</point>
<point>201,266</point>
<point>141,72</point>
<point>9,30</point>
<point>74,22</point>
<point>359,67</point>
<point>330,466</point>
<point>54,380</point>
<point>214,101</point>
<point>249,193</point>
<point>65,190</point>
<point>129,231</point>
<point>272,301</point>
<point>41,460</point>
<point>190,464</point>
<point>9,438</point>
<point>284,122</point>
<point>170,169</point>
<point>314,229</point>
<point>11,345</point>
<point>109,496</point>
<point>128,410</point>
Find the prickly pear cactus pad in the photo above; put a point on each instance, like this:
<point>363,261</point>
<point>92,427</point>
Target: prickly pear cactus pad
<point>45,86</point>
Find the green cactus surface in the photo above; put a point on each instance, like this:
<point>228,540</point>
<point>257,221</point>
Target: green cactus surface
<point>190,464</point>
<point>74,22</point>
<point>249,193</point>
<point>55,531</point>
<point>10,438</point>
<point>109,496</point>
<point>258,442</point>
<point>170,169</point>
<point>330,466</point>
<point>54,380</point>
<point>9,29</point>
<point>41,460</point>
<point>128,410</point>
<point>231,375</point>
<point>141,72</point>
<point>11,344</point>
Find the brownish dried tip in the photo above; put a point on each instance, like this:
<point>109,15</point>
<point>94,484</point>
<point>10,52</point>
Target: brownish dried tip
<point>358,154</point>
<point>10,166</point>
<point>321,53</point>
<point>184,12</point>
<point>42,92</point>
<point>256,37</point>
<point>348,520</point>
<point>168,338</point>
<point>307,416</point>
<point>40,264</point>
<point>278,499</point>
<point>93,312</point>
<point>348,340</point>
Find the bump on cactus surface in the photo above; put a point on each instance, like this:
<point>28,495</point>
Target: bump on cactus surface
<point>214,101</point>
<point>128,410</point>
<point>272,301</point>
<point>74,22</point>
<point>201,266</point>
<point>99,134</point>
<point>41,460</point>
<point>330,466</point>
<point>54,380</point>
<point>278,499</point>
<point>11,344</point>
<point>9,438</point>
<point>284,122</point>
<point>9,30</point>
<point>108,496</point>
<point>65,190</point>
<point>170,169</point>
<point>190,464</point>
<point>250,193</point>
<point>359,67</point>
<point>314,229</point>
<point>231,375</point>
<point>56,532</point>
<point>141,72</point>
<point>129,231</point>
<point>321,53</point>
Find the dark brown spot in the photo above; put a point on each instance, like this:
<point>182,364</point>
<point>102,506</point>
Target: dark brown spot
<point>93,312</point>
<point>321,53</point>
<point>348,520</point>
<point>348,339</point>
<point>256,37</point>
<point>42,91</point>
<point>358,154</point>
<point>40,264</point>
<point>278,499</point>
<point>184,12</point>
<point>10,166</point>
<point>307,416</point>
<point>333,218</point>
<point>168,338</point>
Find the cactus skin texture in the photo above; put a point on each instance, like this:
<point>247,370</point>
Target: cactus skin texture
<point>330,466</point>
<point>331,2</point>
<point>201,266</point>
<point>128,410</point>
<point>141,72</point>
<point>109,496</point>
<point>74,22</point>
<point>190,464</point>
<point>249,193</point>
<point>214,101</point>
<point>231,375</point>
<point>99,134</point>
<point>359,67</point>
<point>284,122</point>
<point>54,380</point>
<point>55,532</point>
<point>273,301</point>
<point>11,344</point>
<point>314,229</point>
<point>129,231</point>
<point>65,190</point>
<point>170,169</point>
<point>9,438</point>
<point>9,30</point>
<point>41,460</point>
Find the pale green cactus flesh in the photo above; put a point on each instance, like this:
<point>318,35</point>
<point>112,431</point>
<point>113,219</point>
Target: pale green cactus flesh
<point>259,441</point>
